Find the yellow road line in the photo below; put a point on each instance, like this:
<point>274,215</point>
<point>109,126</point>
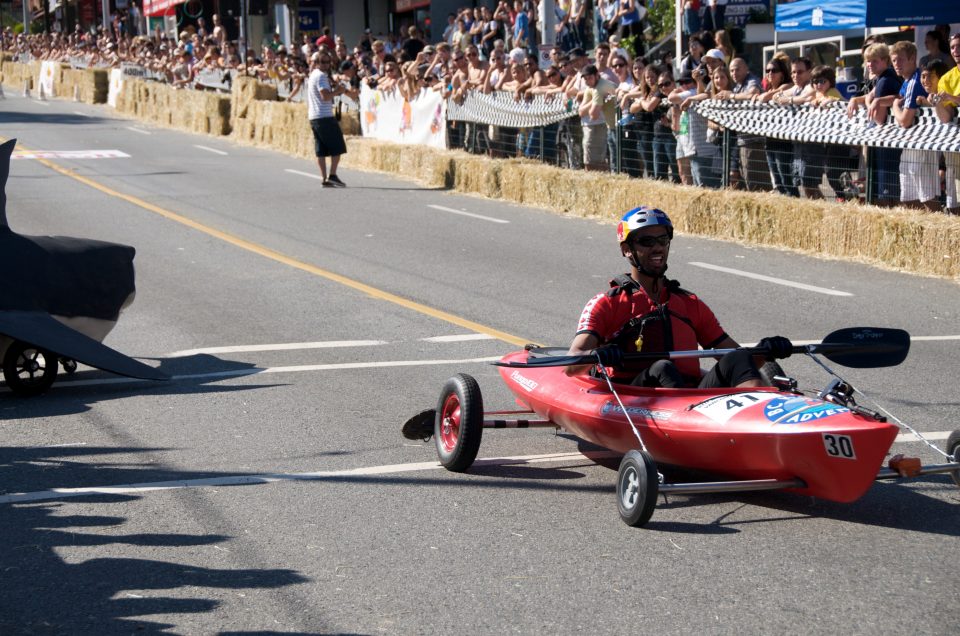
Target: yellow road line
<point>266,252</point>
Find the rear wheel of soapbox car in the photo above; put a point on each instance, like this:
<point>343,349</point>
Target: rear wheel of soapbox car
<point>953,448</point>
<point>28,370</point>
<point>458,426</point>
<point>637,486</point>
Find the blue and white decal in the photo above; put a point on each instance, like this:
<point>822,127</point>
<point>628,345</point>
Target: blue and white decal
<point>798,410</point>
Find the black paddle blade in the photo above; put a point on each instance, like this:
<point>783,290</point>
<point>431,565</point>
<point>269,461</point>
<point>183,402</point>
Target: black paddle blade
<point>865,347</point>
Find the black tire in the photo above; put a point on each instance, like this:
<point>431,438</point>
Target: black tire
<point>953,448</point>
<point>458,426</point>
<point>637,487</point>
<point>768,370</point>
<point>68,365</point>
<point>28,370</point>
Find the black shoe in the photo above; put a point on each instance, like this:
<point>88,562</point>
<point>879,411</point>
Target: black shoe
<point>335,180</point>
<point>328,184</point>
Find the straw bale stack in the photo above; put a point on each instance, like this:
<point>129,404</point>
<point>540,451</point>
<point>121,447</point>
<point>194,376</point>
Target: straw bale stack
<point>15,74</point>
<point>94,84</point>
<point>203,112</point>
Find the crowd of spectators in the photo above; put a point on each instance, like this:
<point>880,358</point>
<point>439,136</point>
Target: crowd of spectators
<point>632,114</point>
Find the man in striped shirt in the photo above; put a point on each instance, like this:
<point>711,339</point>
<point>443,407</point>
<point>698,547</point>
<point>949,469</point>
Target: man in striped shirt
<point>327,136</point>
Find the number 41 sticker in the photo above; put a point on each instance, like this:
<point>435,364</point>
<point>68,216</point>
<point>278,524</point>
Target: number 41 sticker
<point>838,446</point>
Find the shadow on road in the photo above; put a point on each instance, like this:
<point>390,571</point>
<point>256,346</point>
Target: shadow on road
<point>46,593</point>
<point>72,394</point>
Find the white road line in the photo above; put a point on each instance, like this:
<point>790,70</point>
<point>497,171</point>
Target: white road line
<point>213,150</point>
<point>77,112</point>
<point>304,174</point>
<point>771,279</point>
<point>933,437</point>
<point>470,214</point>
<point>138,130</point>
<point>236,373</point>
<point>459,338</point>
<point>288,346</point>
<point>266,478</point>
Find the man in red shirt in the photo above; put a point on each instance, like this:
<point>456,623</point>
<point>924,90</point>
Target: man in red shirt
<point>326,39</point>
<point>644,311</point>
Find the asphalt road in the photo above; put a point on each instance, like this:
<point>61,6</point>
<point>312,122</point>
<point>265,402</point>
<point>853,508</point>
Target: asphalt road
<point>282,368</point>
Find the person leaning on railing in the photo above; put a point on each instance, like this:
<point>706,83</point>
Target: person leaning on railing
<point>750,148</point>
<point>946,101</point>
<point>779,152</point>
<point>664,142</point>
<point>837,159</point>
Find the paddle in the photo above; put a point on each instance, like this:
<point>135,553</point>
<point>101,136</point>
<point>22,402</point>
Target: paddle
<point>854,347</point>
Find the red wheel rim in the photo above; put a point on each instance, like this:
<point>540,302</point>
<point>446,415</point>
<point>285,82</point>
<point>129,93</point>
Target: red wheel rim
<point>450,423</point>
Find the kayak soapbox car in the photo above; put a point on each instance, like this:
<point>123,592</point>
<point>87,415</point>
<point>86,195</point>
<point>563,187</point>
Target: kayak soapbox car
<point>824,445</point>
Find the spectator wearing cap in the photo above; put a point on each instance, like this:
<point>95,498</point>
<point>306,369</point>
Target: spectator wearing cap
<point>597,111</point>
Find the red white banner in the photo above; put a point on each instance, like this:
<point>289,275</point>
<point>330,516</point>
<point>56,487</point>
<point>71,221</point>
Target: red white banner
<point>154,8</point>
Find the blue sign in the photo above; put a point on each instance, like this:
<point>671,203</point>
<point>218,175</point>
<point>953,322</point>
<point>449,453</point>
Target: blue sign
<point>309,20</point>
<point>888,13</point>
<point>814,15</point>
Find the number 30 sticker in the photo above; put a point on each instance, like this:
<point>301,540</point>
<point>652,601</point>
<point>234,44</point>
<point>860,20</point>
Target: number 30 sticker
<point>838,446</point>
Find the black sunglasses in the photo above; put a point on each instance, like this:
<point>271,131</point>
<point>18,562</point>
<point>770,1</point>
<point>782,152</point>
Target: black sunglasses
<point>650,241</point>
<point>773,70</point>
<point>664,84</point>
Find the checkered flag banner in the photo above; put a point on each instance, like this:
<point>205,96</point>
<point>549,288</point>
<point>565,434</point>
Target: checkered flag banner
<point>501,109</point>
<point>830,125</point>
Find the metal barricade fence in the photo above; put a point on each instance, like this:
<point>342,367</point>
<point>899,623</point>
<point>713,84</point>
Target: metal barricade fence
<point>648,147</point>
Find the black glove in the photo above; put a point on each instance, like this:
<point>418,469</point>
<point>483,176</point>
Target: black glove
<point>777,347</point>
<point>610,355</point>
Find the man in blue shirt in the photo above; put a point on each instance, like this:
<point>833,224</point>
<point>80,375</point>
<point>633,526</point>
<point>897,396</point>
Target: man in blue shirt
<point>919,169</point>
<point>521,27</point>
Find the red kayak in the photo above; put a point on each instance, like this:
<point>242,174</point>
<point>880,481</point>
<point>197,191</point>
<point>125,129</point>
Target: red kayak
<point>756,434</point>
<point>821,444</point>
